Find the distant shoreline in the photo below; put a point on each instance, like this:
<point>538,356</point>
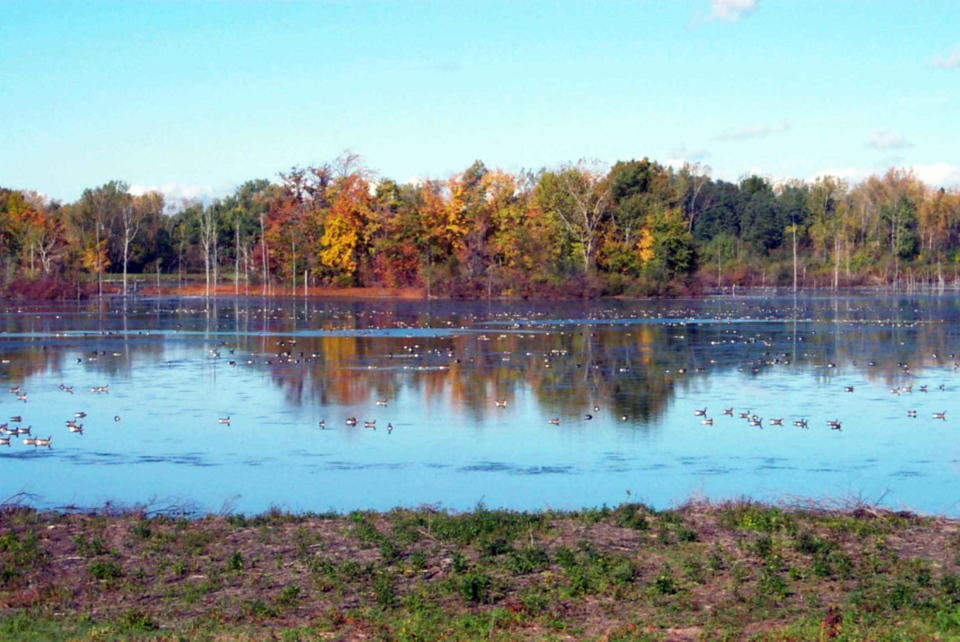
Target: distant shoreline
<point>65,291</point>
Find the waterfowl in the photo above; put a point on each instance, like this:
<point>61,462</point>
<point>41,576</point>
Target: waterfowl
<point>728,412</point>
<point>848,388</point>
<point>351,421</point>
<point>745,415</point>
<point>22,397</point>
<point>756,421</point>
<point>389,428</point>
<point>322,424</point>
<point>923,388</point>
<point>588,417</point>
<point>4,441</point>
<point>776,421</point>
<point>381,402</point>
<point>15,390</point>
<point>800,423</point>
<point>30,441</point>
<point>224,420</point>
<point>116,417</point>
<point>623,417</point>
<point>707,421</point>
<point>834,424</point>
<point>554,421</point>
<point>700,412</point>
<point>24,431</point>
<point>912,413</point>
<point>43,442</point>
<point>16,419</point>
<point>940,415</point>
<point>501,403</point>
<point>370,424</point>
<point>80,415</point>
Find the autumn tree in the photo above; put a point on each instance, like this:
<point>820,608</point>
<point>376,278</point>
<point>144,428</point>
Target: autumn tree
<point>578,196</point>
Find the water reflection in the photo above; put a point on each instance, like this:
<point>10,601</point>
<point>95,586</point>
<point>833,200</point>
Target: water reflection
<point>469,388</point>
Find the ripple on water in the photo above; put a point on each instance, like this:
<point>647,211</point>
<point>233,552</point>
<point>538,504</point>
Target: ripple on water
<point>512,469</point>
<point>906,474</point>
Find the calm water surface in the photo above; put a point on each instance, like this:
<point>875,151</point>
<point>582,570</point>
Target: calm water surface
<point>623,378</point>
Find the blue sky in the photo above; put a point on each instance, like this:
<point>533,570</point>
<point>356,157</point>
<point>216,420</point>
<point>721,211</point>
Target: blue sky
<point>195,98</point>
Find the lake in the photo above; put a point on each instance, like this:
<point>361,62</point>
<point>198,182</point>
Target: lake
<point>512,404</point>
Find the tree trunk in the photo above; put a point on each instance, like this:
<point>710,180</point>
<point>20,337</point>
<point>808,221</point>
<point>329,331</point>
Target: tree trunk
<point>126,248</point>
<point>99,265</point>
<point>236,259</point>
<point>263,248</point>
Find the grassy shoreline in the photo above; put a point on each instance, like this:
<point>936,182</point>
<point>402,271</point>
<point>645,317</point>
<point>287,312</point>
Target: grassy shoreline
<point>702,571</point>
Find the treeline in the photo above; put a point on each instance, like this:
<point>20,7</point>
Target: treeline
<point>638,228</point>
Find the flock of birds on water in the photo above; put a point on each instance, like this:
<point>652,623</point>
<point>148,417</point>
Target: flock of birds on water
<point>8,432</point>
<point>287,354</point>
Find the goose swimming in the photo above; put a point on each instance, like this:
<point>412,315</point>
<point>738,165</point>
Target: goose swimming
<point>224,420</point>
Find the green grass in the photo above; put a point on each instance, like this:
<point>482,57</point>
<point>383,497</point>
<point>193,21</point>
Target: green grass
<point>628,572</point>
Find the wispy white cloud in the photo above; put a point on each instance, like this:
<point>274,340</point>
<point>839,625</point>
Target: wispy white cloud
<point>950,61</point>
<point>680,156</point>
<point>175,194</point>
<point>849,174</point>
<point>730,10</point>
<point>753,131</point>
<point>933,174</point>
<point>939,174</point>
<point>683,153</point>
<point>887,140</point>
<point>447,65</point>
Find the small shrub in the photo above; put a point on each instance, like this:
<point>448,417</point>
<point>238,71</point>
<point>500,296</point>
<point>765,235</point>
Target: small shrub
<point>105,570</point>
<point>141,529</point>
<point>289,596</point>
<point>384,590</point>
<point>235,562</point>
<point>136,622</point>
<point>418,560</point>
<point>459,562</point>
<point>474,586</point>
<point>665,583</point>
